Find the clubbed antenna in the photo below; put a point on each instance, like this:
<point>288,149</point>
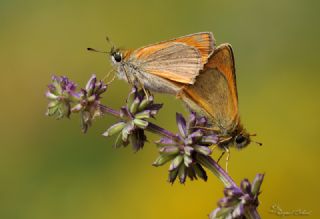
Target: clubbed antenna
<point>95,50</point>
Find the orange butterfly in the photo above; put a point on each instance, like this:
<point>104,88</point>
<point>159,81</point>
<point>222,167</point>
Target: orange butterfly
<point>166,66</point>
<point>214,95</point>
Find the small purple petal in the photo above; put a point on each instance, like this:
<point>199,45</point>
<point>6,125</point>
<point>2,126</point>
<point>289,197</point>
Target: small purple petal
<point>78,107</point>
<point>187,160</point>
<point>227,202</point>
<point>181,122</point>
<point>232,192</point>
<point>202,149</point>
<point>238,211</point>
<point>170,150</point>
<point>182,174</point>
<point>51,96</point>
<point>202,121</point>
<point>197,135</point>
<point>91,83</point>
<point>165,141</point>
<point>245,199</point>
<point>257,184</point>
<point>192,121</point>
<point>210,139</point>
<point>188,150</point>
<point>176,162</point>
<point>214,213</point>
<point>245,186</point>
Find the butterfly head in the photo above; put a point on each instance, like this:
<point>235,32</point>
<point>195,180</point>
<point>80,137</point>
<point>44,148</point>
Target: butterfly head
<point>241,140</point>
<point>115,53</point>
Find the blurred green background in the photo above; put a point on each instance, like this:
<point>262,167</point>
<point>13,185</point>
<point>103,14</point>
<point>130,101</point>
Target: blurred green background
<point>48,169</point>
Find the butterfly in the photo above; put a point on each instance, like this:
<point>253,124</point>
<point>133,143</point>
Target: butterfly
<point>166,66</point>
<point>214,95</point>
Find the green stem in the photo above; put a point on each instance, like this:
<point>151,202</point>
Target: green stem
<point>212,165</point>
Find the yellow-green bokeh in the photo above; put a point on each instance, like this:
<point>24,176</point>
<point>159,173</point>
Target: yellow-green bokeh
<point>49,170</point>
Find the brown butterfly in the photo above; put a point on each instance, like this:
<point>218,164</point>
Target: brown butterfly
<point>166,66</point>
<point>214,95</point>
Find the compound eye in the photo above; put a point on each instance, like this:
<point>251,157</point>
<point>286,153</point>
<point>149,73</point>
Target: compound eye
<point>240,139</point>
<point>117,57</point>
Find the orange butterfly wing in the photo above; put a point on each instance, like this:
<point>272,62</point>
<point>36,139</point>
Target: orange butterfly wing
<point>178,60</point>
<point>214,93</point>
<point>203,41</point>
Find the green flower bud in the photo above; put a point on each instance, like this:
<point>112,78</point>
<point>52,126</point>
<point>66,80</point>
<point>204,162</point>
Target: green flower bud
<point>114,129</point>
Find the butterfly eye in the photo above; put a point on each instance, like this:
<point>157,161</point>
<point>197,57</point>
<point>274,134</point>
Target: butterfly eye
<point>240,139</point>
<point>117,57</point>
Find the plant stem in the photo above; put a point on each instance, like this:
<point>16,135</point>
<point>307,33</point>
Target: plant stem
<point>217,170</point>
<point>160,131</point>
<point>109,110</point>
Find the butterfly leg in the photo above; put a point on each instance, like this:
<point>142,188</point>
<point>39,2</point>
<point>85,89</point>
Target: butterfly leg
<point>142,86</point>
<point>223,152</point>
<point>206,128</point>
<point>107,76</point>
<point>226,150</point>
<point>136,79</point>
<point>228,158</point>
<point>127,76</point>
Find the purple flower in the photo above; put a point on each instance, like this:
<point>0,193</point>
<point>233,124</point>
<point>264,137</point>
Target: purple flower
<point>134,119</point>
<point>61,94</point>
<point>89,102</point>
<point>183,150</point>
<point>238,200</point>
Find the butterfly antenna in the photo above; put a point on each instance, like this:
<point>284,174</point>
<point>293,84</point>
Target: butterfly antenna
<point>95,50</point>
<point>110,42</point>
<point>258,143</point>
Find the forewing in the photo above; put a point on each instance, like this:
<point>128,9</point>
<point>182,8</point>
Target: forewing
<point>214,93</point>
<point>202,41</point>
<point>171,60</point>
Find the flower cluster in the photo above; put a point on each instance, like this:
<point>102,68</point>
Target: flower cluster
<point>238,200</point>
<point>89,102</point>
<point>61,94</point>
<point>65,99</point>
<point>134,119</point>
<point>184,150</point>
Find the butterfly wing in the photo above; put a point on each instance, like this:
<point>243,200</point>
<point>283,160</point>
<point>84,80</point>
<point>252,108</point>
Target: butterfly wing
<point>174,61</point>
<point>178,60</point>
<point>204,42</point>
<point>214,93</point>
